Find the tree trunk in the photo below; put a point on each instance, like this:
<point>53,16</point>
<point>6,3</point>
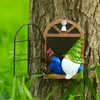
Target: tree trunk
<point>84,12</point>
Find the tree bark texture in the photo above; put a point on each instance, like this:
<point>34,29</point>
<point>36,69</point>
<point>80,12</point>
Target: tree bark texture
<point>86,13</point>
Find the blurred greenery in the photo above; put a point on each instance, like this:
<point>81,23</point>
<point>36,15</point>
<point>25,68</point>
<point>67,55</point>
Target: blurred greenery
<point>13,14</point>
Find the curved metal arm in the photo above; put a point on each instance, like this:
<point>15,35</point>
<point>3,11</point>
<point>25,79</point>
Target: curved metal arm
<point>14,73</point>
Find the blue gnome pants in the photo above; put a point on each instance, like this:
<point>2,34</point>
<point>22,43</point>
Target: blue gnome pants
<point>55,65</point>
<point>81,68</point>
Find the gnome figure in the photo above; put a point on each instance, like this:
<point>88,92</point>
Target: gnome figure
<point>72,62</point>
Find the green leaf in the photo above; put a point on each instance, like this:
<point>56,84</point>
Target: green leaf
<point>13,89</point>
<point>79,76</point>
<point>71,90</point>
<point>23,78</point>
<point>98,71</point>
<point>21,91</point>
<point>52,93</point>
<point>28,93</point>
<point>1,86</point>
<point>71,97</point>
<point>98,96</point>
<point>82,89</point>
<point>90,86</point>
<point>20,88</point>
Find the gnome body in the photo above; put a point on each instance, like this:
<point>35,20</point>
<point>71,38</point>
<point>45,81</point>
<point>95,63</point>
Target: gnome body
<point>70,67</point>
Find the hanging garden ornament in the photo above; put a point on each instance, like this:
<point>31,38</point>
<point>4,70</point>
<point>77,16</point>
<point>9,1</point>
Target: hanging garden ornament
<point>63,23</point>
<point>72,62</point>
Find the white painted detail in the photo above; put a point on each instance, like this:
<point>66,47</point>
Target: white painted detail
<point>70,68</point>
<point>64,22</point>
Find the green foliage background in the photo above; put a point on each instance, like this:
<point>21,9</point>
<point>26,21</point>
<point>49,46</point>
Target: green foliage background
<point>13,14</point>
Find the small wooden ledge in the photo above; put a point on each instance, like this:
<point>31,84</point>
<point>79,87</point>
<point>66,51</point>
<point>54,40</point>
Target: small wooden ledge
<point>57,76</point>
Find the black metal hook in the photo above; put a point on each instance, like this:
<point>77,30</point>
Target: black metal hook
<point>42,39</point>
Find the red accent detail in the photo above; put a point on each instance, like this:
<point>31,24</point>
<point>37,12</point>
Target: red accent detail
<point>49,51</point>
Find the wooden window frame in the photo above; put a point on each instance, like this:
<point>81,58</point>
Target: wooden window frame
<point>62,34</point>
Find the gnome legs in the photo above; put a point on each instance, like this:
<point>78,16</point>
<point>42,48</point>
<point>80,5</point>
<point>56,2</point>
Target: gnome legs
<point>53,62</point>
<point>55,65</point>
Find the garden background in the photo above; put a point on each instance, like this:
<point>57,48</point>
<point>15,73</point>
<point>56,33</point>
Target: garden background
<point>13,14</point>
